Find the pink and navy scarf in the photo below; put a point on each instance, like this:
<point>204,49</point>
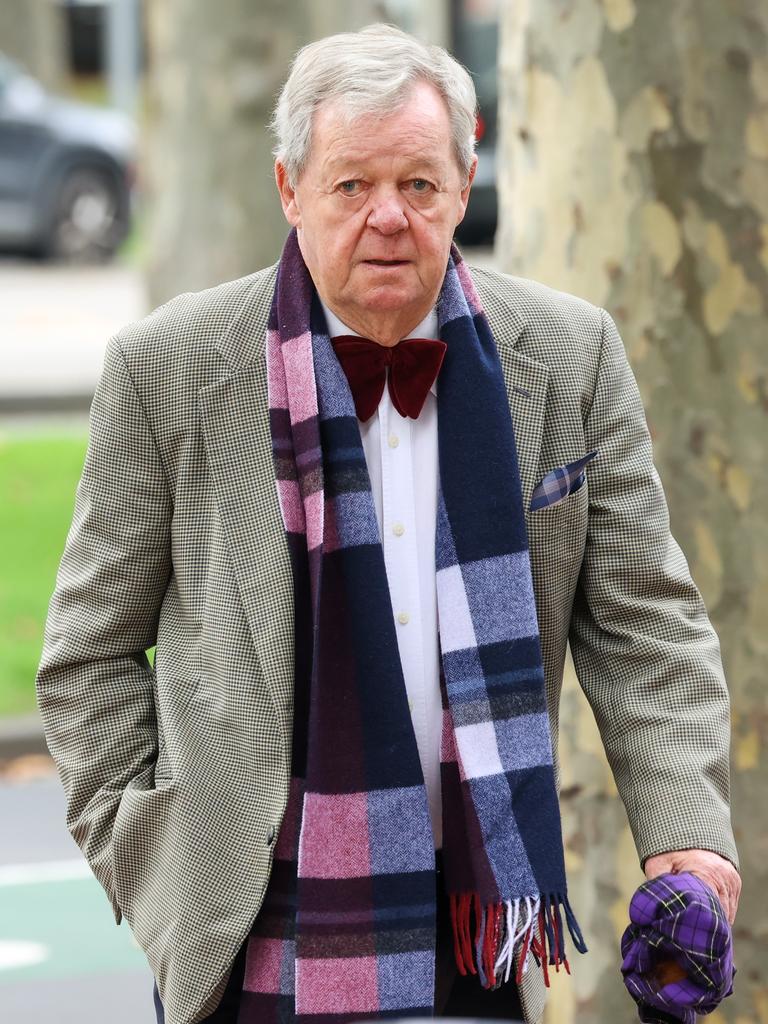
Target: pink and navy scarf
<point>347,928</point>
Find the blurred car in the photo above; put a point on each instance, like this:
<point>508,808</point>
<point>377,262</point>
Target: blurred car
<point>66,171</point>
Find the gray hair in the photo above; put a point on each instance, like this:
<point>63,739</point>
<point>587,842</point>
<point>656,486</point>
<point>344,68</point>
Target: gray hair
<point>372,72</point>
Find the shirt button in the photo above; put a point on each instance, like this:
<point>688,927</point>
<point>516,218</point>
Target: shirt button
<point>394,440</point>
<point>410,705</point>
<point>270,835</point>
<point>398,529</point>
<point>403,617</point>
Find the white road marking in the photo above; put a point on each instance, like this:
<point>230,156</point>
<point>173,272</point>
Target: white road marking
<point>21,954</point>
<point>44,871</point>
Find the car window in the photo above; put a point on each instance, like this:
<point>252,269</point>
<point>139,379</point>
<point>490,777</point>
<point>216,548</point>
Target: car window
<point>21,95</point>
<point>8,71</point>
<point>3,77</point>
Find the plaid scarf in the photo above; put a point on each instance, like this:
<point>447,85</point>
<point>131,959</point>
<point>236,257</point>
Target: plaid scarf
<point>347,927</point>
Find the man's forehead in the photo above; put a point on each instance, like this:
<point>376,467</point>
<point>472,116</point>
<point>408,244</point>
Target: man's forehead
<point>422,106</point>
<point>414,137</point>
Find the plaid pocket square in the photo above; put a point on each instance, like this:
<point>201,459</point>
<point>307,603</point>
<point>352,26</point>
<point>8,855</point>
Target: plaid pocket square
<point>560,482</point>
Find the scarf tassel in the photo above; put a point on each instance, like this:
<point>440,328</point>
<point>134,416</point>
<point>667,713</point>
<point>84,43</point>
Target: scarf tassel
<point>501,930</point>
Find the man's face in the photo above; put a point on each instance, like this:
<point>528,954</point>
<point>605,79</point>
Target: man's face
<point>376,207</point>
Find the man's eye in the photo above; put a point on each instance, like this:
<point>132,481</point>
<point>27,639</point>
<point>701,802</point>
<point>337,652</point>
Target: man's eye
<point>350,188</point>
<point>421,185</point>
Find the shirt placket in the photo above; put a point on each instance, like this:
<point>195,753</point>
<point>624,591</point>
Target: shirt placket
<point>401,556</point>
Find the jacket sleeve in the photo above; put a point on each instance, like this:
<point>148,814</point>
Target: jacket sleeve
<point>94,683</point>
<point>644,650</point>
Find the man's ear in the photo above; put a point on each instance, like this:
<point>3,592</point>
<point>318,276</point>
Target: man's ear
<point>464,194</point>
<point>287,195</point>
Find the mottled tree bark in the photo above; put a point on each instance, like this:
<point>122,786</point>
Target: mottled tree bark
<point>32,33</point>
<point>215,70</point>
<point>634,172</point>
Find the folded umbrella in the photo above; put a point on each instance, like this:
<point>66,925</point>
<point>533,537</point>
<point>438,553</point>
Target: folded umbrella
<point>678,950</point>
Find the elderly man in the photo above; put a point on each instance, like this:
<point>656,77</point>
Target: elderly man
<point>361,500</point>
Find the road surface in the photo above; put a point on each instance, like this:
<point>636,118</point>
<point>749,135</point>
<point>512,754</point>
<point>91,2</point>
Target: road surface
<point>63,960</point>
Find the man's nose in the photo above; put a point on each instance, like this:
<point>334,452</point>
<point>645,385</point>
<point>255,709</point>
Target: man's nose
<point>388,213</point>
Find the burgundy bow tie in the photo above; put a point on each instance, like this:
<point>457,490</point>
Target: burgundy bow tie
<point>413,366</point>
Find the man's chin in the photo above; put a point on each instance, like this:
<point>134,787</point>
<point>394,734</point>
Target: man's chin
<point>389,300</point>
<point>389,291</point>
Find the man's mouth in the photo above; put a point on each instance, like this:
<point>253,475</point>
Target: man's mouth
<point>386,263</point>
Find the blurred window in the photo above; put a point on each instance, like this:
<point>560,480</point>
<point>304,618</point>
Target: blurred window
<point>86,28</point>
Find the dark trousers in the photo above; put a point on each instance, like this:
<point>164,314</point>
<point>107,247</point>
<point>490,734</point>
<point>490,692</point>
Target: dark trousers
<point>455,996</point>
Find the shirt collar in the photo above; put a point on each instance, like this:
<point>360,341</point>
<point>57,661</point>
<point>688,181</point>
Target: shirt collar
<point>426,329</point>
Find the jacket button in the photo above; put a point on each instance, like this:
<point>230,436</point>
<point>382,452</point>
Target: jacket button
<point>270,835</point>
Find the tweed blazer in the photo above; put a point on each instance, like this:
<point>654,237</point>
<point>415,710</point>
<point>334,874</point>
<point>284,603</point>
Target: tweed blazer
<point>176,776</point>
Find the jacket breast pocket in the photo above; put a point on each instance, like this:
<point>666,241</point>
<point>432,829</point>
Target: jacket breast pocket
<point>573,502</point>
<point>557,534</point>
<point>560,483</point>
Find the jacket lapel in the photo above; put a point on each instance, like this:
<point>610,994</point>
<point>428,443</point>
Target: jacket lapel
<point>235,423</point>
<point>526,380</point>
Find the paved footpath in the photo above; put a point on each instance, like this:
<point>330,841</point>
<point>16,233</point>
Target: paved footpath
<point>62,958</point>
<point>54,325</point>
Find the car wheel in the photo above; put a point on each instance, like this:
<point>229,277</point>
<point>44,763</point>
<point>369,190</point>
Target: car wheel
<point>86,224</point>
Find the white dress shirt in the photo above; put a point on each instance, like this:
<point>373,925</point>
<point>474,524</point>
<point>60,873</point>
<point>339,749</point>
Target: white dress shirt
<point>401,454</point>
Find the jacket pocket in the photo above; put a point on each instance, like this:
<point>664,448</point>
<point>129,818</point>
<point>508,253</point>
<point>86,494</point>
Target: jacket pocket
<point>560,483</point>
<point>139,826</point>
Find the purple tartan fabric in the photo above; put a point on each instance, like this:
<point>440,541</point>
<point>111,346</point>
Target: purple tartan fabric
<point>347,928</point>
<point>560,482</point>
<point>677,917</point>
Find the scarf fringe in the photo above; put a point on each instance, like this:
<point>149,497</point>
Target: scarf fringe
<point>501,930</point>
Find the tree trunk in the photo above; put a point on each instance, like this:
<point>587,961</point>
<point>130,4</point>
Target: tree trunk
<point>634,173</point>
<point>215,72</point>
<point>32,33</point>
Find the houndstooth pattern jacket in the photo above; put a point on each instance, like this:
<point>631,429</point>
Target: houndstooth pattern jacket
<point>176,777</point>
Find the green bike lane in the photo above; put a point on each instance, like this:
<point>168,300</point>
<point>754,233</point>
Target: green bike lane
<point>59,928</point>
<point>63,960</point>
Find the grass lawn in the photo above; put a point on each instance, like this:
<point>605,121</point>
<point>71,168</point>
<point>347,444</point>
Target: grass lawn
<point>38,477</point>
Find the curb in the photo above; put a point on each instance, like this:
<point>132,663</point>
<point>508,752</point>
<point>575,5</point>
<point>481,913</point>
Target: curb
<point>45,404</point>
<point>22,734</point>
